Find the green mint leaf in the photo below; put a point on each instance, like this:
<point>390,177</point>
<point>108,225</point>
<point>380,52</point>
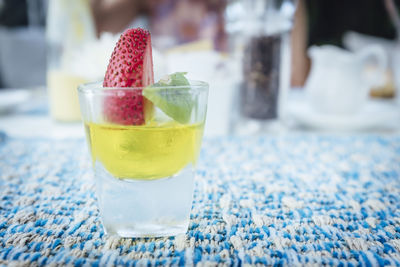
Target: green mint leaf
<point>175,102</point>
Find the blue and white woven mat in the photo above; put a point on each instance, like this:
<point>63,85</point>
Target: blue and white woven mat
<point>299,200</point>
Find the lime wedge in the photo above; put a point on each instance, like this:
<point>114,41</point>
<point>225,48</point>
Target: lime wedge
<point>174,102</point>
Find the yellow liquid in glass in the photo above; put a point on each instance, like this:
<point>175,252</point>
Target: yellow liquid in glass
<point>144,152</point>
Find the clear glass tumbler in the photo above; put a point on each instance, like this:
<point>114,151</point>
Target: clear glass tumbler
<point>144,173</point>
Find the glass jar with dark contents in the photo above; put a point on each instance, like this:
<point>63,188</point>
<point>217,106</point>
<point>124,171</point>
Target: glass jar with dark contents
<point>261,44</point>
<point>259,89</point>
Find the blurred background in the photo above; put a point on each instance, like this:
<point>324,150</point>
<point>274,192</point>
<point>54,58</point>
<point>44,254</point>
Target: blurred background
<point>272,65</point>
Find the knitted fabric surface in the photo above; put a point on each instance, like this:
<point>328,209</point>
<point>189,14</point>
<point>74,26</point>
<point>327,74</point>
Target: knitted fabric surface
<point>295,200</point>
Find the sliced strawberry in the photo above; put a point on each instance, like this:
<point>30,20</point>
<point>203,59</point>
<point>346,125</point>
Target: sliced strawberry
<point>131,65</point>
<point>125,107</point>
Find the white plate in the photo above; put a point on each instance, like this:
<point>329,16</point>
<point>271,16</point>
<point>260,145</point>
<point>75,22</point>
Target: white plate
<point>11,98</point>
<point>376,115</point>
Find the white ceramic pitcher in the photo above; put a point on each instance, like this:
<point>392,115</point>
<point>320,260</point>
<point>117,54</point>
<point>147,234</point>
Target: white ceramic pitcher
<point>339,80</point>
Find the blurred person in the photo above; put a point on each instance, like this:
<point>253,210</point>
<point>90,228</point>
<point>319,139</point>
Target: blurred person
<point>316,23</point>
<point>116,15</point>
<point>183,20</point>
<point>190,20</point>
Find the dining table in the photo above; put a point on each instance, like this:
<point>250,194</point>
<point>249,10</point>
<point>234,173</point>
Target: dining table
<point>293,198</point>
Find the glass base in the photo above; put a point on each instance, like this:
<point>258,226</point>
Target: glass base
<point>145,208</point>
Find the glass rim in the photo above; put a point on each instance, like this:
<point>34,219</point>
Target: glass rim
<point>97,87</point>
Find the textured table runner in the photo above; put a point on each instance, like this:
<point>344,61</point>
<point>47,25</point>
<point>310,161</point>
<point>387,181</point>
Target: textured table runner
<point>332,200</point>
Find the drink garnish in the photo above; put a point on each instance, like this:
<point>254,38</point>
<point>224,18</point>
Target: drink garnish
<point>131,65</point>
<point>171,95</point>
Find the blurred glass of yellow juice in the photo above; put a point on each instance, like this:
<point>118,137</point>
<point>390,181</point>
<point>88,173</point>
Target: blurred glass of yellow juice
<point>63,96</point>
<point>144,152</point>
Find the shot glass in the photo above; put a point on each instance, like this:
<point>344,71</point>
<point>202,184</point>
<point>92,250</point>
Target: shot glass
<point>144,174</point>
